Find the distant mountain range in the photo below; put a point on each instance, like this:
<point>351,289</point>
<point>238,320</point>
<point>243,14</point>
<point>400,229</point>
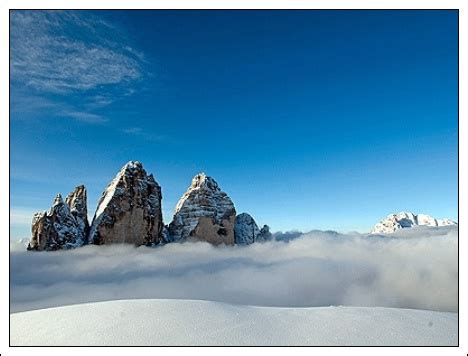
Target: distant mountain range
<point>130,211</point>
<point>403,220</point>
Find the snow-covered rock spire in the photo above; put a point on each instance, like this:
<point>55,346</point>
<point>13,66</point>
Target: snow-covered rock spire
<point>204,212</point>
<point>129,209</point>
<point>59,227</point>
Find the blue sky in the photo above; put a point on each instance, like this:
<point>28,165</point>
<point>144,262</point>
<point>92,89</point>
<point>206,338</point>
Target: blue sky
<point>307,119</point>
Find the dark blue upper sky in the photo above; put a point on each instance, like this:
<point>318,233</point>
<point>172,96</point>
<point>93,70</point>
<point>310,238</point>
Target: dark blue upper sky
<point>307,119</point>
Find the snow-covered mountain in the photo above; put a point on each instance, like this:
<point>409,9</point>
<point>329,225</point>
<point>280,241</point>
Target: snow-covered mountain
<point>204,212</point>
<point>403,220</point>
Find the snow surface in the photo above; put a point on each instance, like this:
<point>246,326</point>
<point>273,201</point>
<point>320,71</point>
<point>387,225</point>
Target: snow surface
<point>189,322</point>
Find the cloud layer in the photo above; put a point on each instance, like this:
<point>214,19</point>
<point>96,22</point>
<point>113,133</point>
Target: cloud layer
<point>417,268</point>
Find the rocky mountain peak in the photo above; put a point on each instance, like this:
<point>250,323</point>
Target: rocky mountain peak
<point>131,166</point>
<point>265,234</point>
<point>57,200</point>
<point>204,212</point>
<point>202,181</point>
<point>129,209</point>
<point>245,229</point>
<point>77,202</point>
<point>58,227</point>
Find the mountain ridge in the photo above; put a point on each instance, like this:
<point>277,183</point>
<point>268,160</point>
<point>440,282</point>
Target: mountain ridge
<point>130,211</point>
<point>404,220</point>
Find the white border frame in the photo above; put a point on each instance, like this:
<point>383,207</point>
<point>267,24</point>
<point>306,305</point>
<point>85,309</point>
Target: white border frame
<point>5,6</point>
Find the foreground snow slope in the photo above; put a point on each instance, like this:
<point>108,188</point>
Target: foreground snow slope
<point>190,322</point>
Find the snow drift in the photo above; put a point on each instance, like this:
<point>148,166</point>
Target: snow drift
<point>185,322</point>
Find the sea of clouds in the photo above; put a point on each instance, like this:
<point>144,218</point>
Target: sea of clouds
<point>415,268</point>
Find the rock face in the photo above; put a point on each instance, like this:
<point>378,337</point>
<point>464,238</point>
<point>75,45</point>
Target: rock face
<point>42,238</point>
<point>129,210</point>
<point>265,234</point>
<point>63,226</point>
<point>403,220</point>
<point>204,213</point>
<point>246,230</point>
<point>76,200</point>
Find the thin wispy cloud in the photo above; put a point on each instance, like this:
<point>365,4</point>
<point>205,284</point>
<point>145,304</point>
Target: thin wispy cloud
<point>140,133</point>
<point>59,55</point>
<point>99,101</point>
<point>62,52</point>
<point>86,117</point>
<point>21,216</point>
<point>140,55</point>
<point>133,130</point>
<point>25,106</point>
<point>21,103</point>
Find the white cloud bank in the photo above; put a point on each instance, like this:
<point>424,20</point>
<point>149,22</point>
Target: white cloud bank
<point>416,268</point>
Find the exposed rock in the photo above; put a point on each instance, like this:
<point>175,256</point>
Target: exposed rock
<point>204,213</point>
<point>40,232</point>
<point>265,234</point>
<point>57,228</point>
<point>76,200</point>
<point>245,229</point>
<point>165,236</point>
<point>403,220</point>
<point>129,210</point>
